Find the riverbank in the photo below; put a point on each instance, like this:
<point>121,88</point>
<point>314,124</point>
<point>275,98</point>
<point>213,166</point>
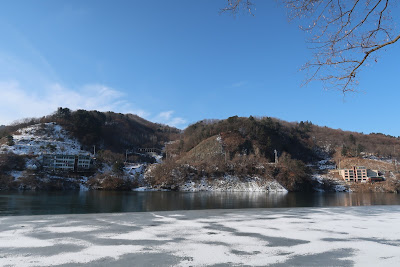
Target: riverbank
<point>340,236</point>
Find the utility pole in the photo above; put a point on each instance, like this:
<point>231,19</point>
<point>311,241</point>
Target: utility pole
<point>126,155</point>
<point>276,156</point>
<point>94,151</point>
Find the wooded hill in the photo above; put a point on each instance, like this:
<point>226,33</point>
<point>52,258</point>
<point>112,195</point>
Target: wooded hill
<point>258,136</point>
<point>304,141</point>
<point>107,130</point>
<point>245,147</point>
<point>355,144</point>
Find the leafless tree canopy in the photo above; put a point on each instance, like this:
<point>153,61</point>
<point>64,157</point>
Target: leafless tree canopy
<point>234,6</point>
<point>345,35</point>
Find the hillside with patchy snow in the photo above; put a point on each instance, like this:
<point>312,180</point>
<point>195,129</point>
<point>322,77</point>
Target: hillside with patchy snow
<point>21,158</point>
<point>236,154</point>
<point>44,138</point>
<point>234,184</point>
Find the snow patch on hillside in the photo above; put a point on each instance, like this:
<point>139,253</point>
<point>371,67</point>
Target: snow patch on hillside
<point>325,164</point>
<point>231,183</point>
<point>379,159</point>
<point>133,168</point>
<point>43,138</point>
<point>16,174</point>
<point>324,181</point>
<point>157,157</point>
<point>320,181</point>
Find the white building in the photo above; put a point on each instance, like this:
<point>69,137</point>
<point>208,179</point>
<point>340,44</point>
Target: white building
<point>60,162</point>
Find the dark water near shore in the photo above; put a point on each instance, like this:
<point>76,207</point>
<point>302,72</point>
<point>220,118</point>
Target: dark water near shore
<point>29,203</point>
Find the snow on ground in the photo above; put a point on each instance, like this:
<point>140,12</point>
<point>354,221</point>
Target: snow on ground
<point>233,184</point>
<point>141,189</point>
<point>320,180</point>
<point>332,183</point>
<point>31,164</point>
<point>341,188</point>
<point>16,174</point>
<point>82,185</point>
<point>135,171</point>
<point>43,138</point>
<point>381,159</point>
<point>326,164</point>
<point>157,157</point>
<point>133,168</point>
<point>325,180</point>
<point>340,236</point>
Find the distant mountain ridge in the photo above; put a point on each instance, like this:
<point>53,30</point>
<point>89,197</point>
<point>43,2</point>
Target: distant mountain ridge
<point>117,132</point>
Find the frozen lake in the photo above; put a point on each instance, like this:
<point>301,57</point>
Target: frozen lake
<point>334,236</point>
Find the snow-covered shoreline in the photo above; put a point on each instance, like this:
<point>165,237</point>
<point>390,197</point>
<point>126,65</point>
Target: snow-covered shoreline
<point>233,184</point>
<point>339,236</point>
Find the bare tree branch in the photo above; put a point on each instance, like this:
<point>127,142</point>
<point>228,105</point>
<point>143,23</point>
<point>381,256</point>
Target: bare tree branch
<point>344,35</point>
<point>234,6</point>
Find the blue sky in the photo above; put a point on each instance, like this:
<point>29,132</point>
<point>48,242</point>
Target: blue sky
<point>177,62</point>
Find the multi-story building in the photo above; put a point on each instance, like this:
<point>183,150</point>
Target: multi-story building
<point>83,162</point>
<point>347,174</point>
<point>60,162</point>
<point>359,174</point>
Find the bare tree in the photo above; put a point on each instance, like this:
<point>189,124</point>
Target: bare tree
<point>234,6</point>
<point>345,35</point>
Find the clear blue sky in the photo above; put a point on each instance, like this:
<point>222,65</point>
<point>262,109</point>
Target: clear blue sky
<point>177,62</point>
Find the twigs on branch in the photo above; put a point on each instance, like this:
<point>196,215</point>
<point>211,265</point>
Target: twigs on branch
<point>345,35</point>
<point>234,6</point>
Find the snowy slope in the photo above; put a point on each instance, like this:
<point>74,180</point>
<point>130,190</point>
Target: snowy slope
<point>41,139</point>
<point>233,184</point>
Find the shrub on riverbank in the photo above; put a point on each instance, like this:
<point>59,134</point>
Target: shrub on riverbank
<point>290,173</point>
<point>11,162</point>
<point>109,181</point>
<point>7,182</point>
<point>389,186</point>
<point>293,174</point>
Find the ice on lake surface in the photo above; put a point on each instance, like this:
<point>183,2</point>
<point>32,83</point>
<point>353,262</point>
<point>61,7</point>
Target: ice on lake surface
<point>335,236</point>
